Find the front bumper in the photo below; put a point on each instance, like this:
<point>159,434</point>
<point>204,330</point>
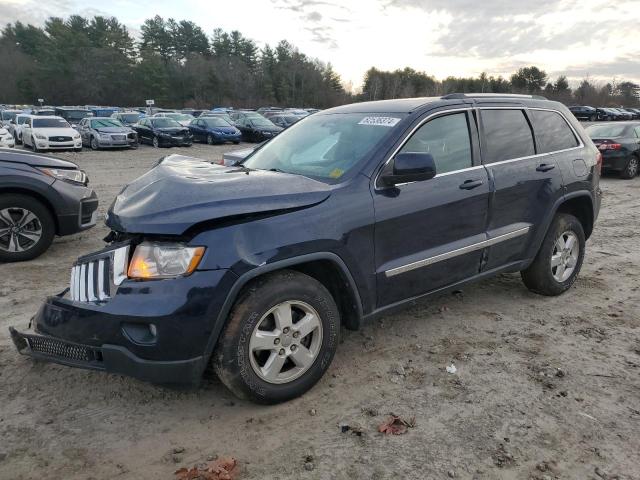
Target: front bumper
<point>85,215</point>
<point>112,143</point>
<point>157,331</point>
<point>175,141</point>
<point>49,145</point>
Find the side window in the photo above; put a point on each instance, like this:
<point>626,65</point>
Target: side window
<point>447,139</point>
<point>507,135</point>
<point>637,131</point>
<point>552,131</point>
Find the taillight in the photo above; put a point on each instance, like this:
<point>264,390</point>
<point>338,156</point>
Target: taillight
<point>599,162</point>
<point>610,146</point>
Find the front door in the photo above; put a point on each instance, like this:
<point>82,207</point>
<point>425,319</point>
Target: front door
<point>430,234</point>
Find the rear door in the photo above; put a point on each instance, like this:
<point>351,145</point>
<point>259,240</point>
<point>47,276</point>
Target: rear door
<point>429,234</point>
<point>525,176</point>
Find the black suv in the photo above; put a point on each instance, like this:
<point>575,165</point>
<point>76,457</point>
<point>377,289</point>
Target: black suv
<point>40,197</point>
<point>345,216</point>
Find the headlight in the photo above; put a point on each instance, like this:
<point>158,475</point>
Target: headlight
<point>40,136</point>
<point>72,176</point>
<point>76,136</point>
<point>164,260</point>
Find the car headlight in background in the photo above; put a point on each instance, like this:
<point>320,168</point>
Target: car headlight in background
<point>76,136</point>
<point>39,136</point>
<point>72,176</point>
<point>163,260</point>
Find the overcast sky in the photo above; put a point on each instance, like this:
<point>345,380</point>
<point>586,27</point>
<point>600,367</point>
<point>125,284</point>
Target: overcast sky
<point>442,37</point>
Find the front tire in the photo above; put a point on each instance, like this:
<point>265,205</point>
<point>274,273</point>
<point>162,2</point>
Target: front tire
<point>210,140</point>
<point>26,228</point>
<point>559,259</point>
<point>155,142</point>
<point>281,337</point>
<point>34,147</point>
<point>631,169</point>
<point>94,144</point>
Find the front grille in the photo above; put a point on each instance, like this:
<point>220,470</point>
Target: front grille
<point>58,348</point>
<point>60,139</point>
<point>96,278</point>
<point>119,138</point>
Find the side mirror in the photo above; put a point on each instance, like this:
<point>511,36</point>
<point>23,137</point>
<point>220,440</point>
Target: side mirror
<point>409,167</point>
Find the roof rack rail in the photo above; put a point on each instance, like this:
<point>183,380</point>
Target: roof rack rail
<point>456,96</point>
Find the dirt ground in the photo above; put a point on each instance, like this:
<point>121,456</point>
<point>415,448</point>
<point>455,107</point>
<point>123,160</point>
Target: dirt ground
<point>545,388</point>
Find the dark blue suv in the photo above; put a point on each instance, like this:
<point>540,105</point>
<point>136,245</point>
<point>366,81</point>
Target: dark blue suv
<point>343,217</point>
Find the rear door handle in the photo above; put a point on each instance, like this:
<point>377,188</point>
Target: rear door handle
<point>545,167</point>
<point>470,184</point>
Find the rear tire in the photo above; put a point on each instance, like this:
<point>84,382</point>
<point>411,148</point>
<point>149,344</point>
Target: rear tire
<point>210,140</point>
<point>631,169</point>
<point>33,236</point>
<point>299,354</point>
<point>559,259</point>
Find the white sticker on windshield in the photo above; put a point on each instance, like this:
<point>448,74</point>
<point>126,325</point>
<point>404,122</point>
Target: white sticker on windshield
<point>379,121</point>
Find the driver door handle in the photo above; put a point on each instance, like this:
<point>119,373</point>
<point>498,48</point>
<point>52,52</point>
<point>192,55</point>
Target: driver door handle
<point>471,184</point>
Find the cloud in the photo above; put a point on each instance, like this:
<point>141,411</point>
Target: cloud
<point>36,12</point>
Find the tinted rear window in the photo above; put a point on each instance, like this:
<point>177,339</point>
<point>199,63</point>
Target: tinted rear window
<point>507,135</point>
<point>552,131</point>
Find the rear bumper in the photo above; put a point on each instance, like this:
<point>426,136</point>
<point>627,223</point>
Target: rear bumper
<point>614,160</point>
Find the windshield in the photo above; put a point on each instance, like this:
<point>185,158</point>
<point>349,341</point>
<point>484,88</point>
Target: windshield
<point>604,131</point>
<point>76,114</point>
<point>180,117</point>
<point>129,117</point>
<point>216,122</point>
<point>165,123</point>
<point>260,122</point>
<point>50,123</point>
<point>105,122</point>
<point>324,146</point>
<point>8,115</point>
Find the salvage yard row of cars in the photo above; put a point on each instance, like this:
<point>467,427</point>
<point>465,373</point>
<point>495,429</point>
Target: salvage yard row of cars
<point>107,127</point>
<point>593,114</point>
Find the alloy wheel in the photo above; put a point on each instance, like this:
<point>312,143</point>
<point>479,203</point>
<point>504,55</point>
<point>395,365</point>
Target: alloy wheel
<point>20,229</point>
<point>285,342</point>
<point>156,142</point>
<point>564,258</point>
<point>632,167</point>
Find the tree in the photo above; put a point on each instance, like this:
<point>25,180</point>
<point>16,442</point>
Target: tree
<point>529,80</point>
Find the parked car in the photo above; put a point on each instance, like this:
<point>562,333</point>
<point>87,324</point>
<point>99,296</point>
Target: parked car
<point>16,125</point>
<point>619,145</point>
<point>103,111</point>
<point>236,156</point>
<point>623,115</point>
<point>284,120</point>
<point>107,132</point>
<point>584,112</point>
<point>263,110</point>
<point>634,115</point>
<point>44,112</point>
<point>214,130</point>
<point>162,132</point>
<point>128,118</point>
<point>603,114</point>
<point>297,112</point>
<point>257,129</point>
<point>49,133</point>
<point>7,115</point>
<point>348,215</point>
<point>6,139</point>
<point>40,197</point>
<point>73,115</point>
<point>182,118</point>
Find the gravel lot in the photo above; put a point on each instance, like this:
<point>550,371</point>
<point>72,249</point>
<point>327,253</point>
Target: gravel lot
<point>545,387</point>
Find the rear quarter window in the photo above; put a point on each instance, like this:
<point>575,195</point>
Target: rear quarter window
<point>552,131</point>
<point>507,135</point>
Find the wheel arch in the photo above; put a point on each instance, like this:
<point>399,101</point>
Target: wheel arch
<point>38,196</point>
<point>326,267</point>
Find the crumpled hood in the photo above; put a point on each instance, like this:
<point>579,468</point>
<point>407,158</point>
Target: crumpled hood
<point>183,191</point>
